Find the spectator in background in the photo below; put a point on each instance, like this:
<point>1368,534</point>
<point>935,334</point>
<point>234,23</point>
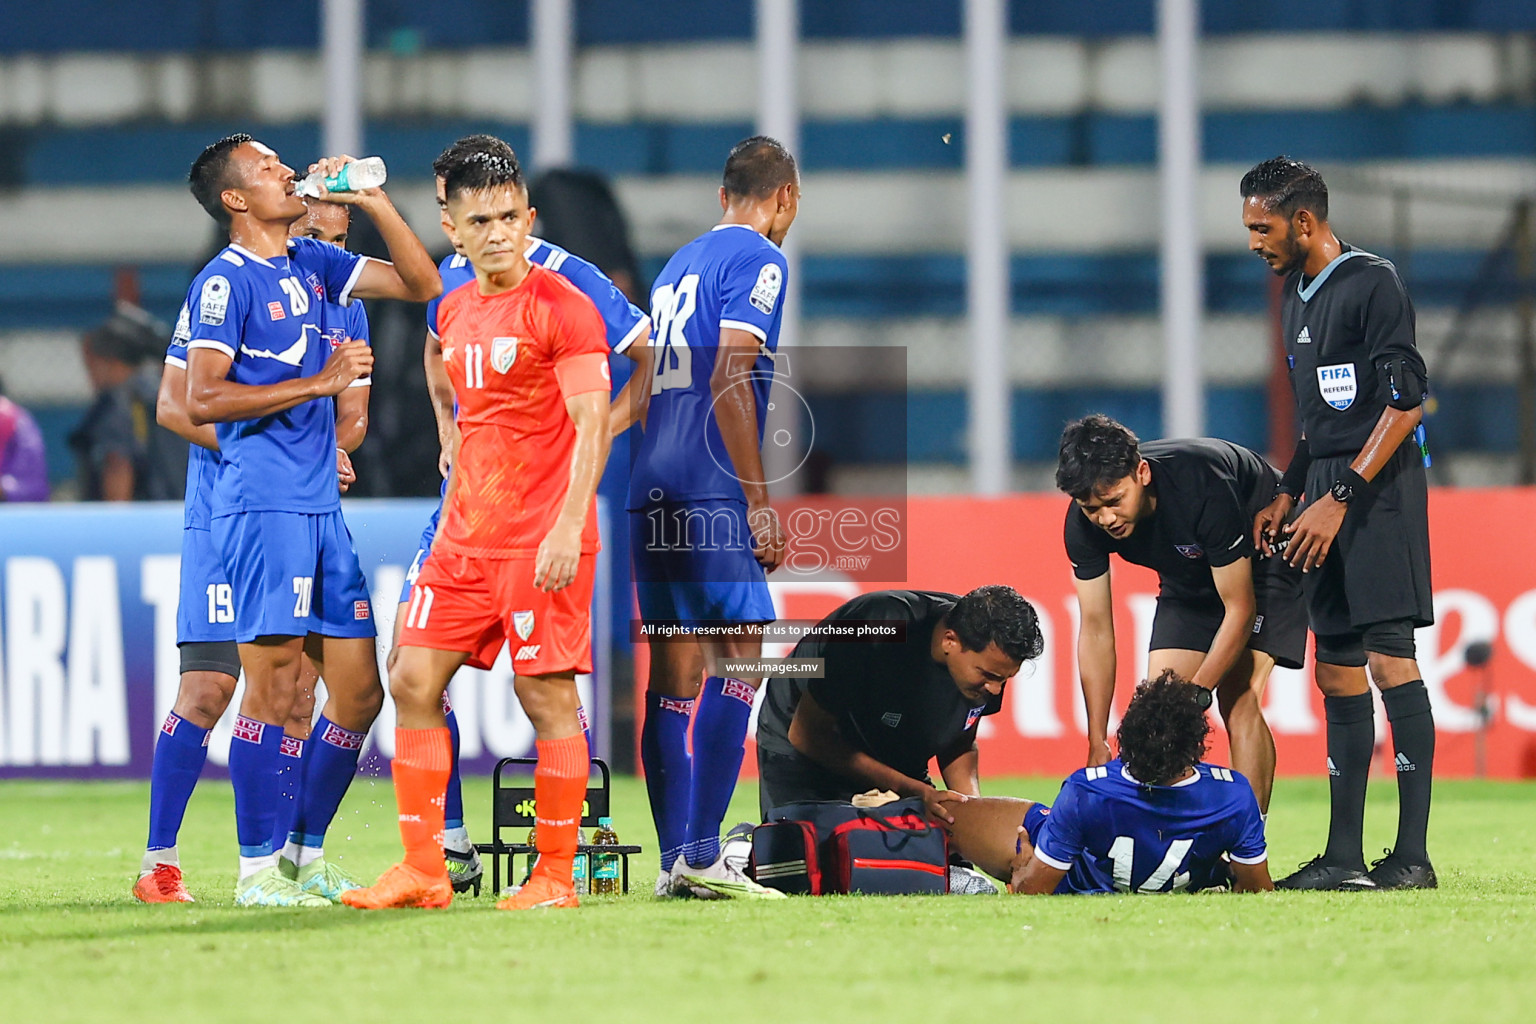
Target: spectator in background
<point>23,463</point>
<point>578,212</point>
<point>122,453</point>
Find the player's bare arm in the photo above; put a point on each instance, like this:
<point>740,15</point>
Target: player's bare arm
<point>171,410</point>
<point>212,398</point>
<point>629,405</point>
<point>1251,877</point>
<point>1033,877</point>
<point>440,393</point>
<point>736,414</point>
<point>412,276</point>
<point>1096,661</point>
<point>814,733</point>
<point>1234,583</point>
<point>559,554</point>
<point>960,768</point>
<point>1313,532</point>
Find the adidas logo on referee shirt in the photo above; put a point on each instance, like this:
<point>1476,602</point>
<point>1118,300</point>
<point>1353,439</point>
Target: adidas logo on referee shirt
<point>1304,338</point>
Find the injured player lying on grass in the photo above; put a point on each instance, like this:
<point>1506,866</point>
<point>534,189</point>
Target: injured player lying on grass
<point>1155,819</point>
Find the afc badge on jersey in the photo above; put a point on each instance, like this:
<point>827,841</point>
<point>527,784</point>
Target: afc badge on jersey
<point>766,292</point>
<point>523,623</point>
<point>1338,384</point>
<point>503,354</point>
<point>1190,550</point>
<point>214,302</point>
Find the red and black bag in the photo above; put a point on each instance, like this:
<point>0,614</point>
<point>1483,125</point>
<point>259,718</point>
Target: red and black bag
<point>834,847</point>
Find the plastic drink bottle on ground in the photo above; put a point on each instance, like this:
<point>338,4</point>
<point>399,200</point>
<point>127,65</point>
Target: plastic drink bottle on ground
<point>605,866</point>
<point>368,172</point>
<point>579,869</point>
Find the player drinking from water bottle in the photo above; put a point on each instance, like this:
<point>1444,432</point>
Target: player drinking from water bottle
<point>260,354</point>
<point>205,614</point>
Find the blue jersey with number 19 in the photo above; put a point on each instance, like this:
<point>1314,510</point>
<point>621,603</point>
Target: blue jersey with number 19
<point>1111,833</point>
<point>730,277</point>
<point>275,319</point>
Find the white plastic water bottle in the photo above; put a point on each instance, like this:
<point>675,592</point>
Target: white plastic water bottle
<point>353,177</point>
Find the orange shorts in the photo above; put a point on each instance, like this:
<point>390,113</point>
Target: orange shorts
<point>475,605</point>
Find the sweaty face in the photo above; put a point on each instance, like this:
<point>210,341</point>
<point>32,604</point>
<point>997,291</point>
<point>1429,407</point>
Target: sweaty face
<point>1271,237</point>
<point>325,222</point>
<point>1116,508</point>
<point>977,674</point>
<point>266,184</point>
<point>492,226</point>
<point>444,221</point>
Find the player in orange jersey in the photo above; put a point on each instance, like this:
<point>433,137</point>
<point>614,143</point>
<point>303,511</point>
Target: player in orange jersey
<point>515,555</point>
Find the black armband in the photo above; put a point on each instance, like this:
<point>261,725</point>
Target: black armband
<point>1294,481</point>
<point>1406,387</point>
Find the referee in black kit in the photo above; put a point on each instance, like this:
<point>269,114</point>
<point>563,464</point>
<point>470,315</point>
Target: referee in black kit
<point>1362,538</point>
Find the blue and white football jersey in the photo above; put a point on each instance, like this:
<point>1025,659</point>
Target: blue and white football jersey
<point>202,464</point>
<point>277,319</point>
<point>730,277</point>
<point>1111,833</point>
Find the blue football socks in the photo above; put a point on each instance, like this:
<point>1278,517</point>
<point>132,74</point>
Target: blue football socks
<point>719,735</point>
<point>330,762</point>
<point>668,770</point>
<point>253,758</point>
<point>290,767</point>
<point>453,806</point>
<point>180,752</point>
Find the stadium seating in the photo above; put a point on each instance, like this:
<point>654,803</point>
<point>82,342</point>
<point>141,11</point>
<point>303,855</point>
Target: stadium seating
<point>1424,122</point>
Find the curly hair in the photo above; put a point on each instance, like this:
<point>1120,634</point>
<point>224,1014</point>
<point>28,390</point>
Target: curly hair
<point>1162,734</point>
<point>997,614</point>
<point>1095,451</point>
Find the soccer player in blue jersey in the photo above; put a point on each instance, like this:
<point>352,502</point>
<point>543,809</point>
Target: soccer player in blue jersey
<point>628,329</point>
<point>205,632</point>
<point>1156,818</point>
<point>702,531</point>
<point>261,353</point>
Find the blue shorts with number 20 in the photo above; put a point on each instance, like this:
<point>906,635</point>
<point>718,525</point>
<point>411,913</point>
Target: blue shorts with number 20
<point>293,573</point>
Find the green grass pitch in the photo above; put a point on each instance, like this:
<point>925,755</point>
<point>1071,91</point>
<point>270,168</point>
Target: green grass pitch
<point>75,947</point>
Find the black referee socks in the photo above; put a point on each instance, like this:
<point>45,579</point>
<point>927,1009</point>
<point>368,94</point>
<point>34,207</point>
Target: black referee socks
<point>1351,739</point>
<point>1413,742</point>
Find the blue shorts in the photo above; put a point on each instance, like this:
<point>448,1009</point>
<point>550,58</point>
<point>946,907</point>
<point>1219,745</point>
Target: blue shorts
<point>422,551</point>
<point>694,563</point>
<point>1033,819</point>
<point>1076,881</point>
<point>293,573</point>
<point>205,609</point>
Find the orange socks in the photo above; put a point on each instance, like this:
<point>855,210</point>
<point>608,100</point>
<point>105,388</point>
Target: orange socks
<point>559,791</point>
<point>422,760</point>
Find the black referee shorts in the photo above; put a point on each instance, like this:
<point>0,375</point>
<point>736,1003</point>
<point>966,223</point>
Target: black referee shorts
<point>1378,568</point>
<point>1279,623</point>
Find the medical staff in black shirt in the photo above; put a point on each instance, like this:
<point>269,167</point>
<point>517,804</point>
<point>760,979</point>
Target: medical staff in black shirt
<point>1226,615</point>
<point>884,708</point>
<point>1362,537</point>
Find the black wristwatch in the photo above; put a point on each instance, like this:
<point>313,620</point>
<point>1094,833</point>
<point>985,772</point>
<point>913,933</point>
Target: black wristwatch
<point>1347,486</point>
